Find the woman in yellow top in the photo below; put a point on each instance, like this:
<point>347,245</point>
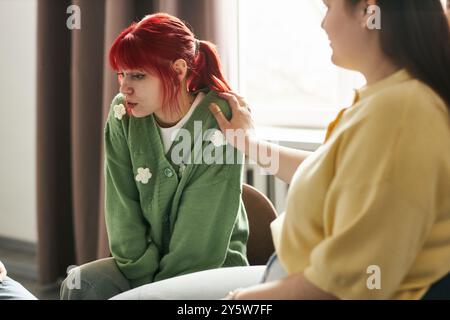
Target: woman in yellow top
<point>368,213</point>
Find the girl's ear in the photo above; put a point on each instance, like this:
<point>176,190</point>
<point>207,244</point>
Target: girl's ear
<point>180,67</point>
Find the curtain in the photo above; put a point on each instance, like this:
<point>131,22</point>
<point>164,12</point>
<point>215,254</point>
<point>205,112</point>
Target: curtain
<point>75,88</point>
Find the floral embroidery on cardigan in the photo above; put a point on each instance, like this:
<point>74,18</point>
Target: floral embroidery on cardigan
<point>143,175</point>
<point>119,111</point>
<point>218,139</point>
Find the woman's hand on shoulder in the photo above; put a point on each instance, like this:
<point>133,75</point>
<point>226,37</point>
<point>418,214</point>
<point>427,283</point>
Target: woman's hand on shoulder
<point>239,129</point>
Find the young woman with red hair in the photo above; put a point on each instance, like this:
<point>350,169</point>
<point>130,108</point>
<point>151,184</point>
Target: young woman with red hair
<point>168,212</point>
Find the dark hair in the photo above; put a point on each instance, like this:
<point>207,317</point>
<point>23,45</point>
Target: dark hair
<point>415,35</point>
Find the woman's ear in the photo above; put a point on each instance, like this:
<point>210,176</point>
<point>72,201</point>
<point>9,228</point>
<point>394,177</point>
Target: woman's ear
<point>180,67</point>
<point>372,15</point>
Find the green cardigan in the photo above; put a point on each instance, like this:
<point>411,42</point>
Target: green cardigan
<point>165,219</point>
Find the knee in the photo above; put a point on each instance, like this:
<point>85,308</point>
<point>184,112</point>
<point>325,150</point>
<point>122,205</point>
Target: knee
<point>98,280</point>
<point>12,290</point>
<point>77,284</point>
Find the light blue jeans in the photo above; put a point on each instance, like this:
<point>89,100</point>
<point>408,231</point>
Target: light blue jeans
<point>12,290</point>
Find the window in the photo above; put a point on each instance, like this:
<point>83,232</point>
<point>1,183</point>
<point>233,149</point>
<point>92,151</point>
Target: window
<point>285,68</point>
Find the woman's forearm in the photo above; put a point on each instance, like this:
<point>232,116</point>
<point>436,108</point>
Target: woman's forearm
<point>277,160</point>
<point>294,287</point>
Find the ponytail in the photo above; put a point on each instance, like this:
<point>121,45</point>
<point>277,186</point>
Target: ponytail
<point>207,69</point>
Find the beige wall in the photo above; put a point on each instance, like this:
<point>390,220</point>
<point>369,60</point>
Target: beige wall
<point>18,119</point>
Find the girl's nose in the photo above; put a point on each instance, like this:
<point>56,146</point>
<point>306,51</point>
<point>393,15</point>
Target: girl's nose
<point>126,89</point>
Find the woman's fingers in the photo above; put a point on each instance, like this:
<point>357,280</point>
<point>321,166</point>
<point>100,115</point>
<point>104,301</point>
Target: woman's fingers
<point>240,126</point>
<point>231,98</point>
<point>220,118</point>
<point>237,95</point>
<point>240,100</point>
<point>3,272</point>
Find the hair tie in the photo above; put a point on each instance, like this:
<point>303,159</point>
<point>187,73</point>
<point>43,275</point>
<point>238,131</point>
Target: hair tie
<point>197,45</point>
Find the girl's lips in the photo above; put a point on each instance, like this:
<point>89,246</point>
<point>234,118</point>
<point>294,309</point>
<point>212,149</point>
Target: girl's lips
<point>130,106</point>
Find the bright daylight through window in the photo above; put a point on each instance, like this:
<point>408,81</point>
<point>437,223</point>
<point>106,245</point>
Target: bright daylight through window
<point>286,71</point>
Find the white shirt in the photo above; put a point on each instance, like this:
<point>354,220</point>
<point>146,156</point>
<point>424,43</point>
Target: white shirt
<point>169,134</point>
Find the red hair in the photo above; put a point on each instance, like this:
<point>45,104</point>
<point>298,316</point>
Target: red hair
<point>155,43</point>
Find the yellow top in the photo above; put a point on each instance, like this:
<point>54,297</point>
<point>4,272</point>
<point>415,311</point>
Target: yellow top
<point>368,214</point>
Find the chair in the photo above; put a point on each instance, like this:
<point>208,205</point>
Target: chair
<point>260,213</point>
<point>440,290</point>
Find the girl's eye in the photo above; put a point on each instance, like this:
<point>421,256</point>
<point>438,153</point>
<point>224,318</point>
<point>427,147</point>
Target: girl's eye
<point>133,76</point>
<point>137,76</point>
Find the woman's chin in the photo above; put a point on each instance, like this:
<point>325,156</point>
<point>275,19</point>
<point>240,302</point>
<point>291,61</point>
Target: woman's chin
<point>335,60</point>
<point>338,62</point>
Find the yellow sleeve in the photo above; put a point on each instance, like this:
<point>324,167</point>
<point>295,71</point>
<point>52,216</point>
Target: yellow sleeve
<point>380,207</point>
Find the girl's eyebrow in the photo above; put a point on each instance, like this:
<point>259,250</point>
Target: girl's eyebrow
<point>131,71</point>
